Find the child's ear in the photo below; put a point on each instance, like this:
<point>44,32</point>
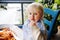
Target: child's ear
<point>42,17</point>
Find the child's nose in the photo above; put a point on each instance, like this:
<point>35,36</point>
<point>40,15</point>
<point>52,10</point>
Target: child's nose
<point>32,17</point>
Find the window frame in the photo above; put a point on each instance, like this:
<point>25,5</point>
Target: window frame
<point>21,9</point>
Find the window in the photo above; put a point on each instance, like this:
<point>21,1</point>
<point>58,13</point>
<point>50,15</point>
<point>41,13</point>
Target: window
<point>24,11</point>
<point>12,15</point>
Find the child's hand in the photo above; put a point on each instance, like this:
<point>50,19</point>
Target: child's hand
<point>32,23</point>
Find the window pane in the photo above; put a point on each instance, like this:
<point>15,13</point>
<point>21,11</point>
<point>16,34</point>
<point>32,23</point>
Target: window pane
<point>24,11</point>
<point>11,14</point>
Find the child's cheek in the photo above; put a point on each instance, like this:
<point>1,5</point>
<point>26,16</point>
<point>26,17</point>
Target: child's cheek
<point>37,19</point>
<point>30,18</point>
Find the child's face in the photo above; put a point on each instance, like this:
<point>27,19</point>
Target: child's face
<point>34,14</point>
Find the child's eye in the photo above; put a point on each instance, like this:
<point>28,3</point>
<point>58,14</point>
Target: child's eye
<point>35,13</point>
<point>30,13</point>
